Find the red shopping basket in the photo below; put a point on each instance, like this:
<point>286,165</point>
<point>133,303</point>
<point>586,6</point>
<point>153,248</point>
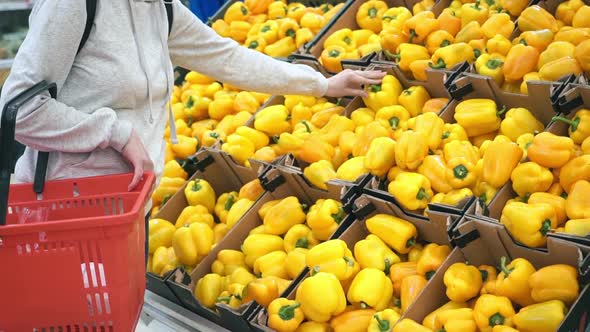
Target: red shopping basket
<point>83,267</point>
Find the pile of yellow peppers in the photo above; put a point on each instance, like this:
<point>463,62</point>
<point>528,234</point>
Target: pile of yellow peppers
<point>366,289</point>
<point>272,255</point>
<point>552,185</point>
<point>484,299</point>
<point>478,32</point>
<point>274,27</point>
<point>205,112</point>
<point>200,226</point>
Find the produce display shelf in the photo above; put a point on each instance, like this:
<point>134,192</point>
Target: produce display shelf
<point>6,6</point>
<point>177,317</point>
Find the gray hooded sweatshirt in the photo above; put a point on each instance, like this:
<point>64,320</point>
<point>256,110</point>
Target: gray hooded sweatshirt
<point>121,80</point>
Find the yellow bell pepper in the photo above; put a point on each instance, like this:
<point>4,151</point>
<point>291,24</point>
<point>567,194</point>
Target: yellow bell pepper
<point>332,56</point>
<point>303,36</point>
<point>295,262</point>
<point>499,45</point>
<point>173,169</point>
<point>574,170</point>
<point>566,10</point>
<point>579,126</point>
<point>454,197</point>
<point>160,234</point>
<point>384,94</point>
<point>344,38</point>
<point>164,260</point>
<point>220,230</point>
<point>369,15</point>
<point>520,60</point>
<point>277,10</point>
<point>395,17</point>
<point>411,149</point>
<point>383,321</point>
<point>211,137</point>
<point>232,296</point>
<point>430,321</point>
<point>192,214</point>
<point>418,27</point>
<point>411,287</point>
<point>319,173</point>
<point>491,66</point>
<point>579,227</point>
<point>514,7</point>
<point>460,172</point>
<point>453,132</point>
<point>581,54</point>
<point>352,169</point>
<point>312,326</point>
<point>530,177</point>
<point>258,138</point>
<point>478,116</point>
<point>239,148</point>
<point>413,100</point>
<point>333,257</point>
<point>321,297</point>
<point>438,39</point>
<point>257,245</point>
<point>372,252</point>
<point>557,202</point>
<point>237,210</point>
<point>555,282</point>
<point>535,18</point>
<point>489,275</point>
<point>208,289</point>
<point>556,50</point>
<point>550,150</point>
<point>432,258</point>
<point>398,272</point>
<point>324,217</point>
<point>186,147</point>
<point>491,310</point>
<point>497,24</point>
<point>399,234</point>
<point>272,120</point>
<point>540,317</point>
<point>529,223</point>
<point>408,325</point>
<point>577,200</point>
<point>271,265</point>
<point>461,149</point>
<point>257,6</point>
<point>238,30</point>
<point>415,253</point>
<point>372,288</point>
<point>284,315</point>
<point>406,54</point>
<point>449,56</point>
<point>380,156</point>
<point>282,216</point>
<point>433,167</point>
<point>313,21</point>
<point>394,117</point>
<point>456,320</point>
<point>519,121</point>
<point>463,282</point>
<point>554,70</point>
<point>227,262</point>
<point>251,190</point>
<point>299,236</point>
<point>200,192</point>
<point>288,28</point>
<point>513,281</point>
<point>281,48</point>
<point>221,27</point>
<point>190,242</point>
<point>363,116</point>
<point>262,290</point>
<point>236,12</point>
<point>335,126</point>
<point>500,160</point>
<point>412,190</point>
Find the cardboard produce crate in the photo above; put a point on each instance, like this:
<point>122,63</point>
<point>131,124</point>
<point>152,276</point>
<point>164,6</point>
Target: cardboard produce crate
<point>279,185</point>
<point>432,231</point>
<point>483,243</point>
<point>573,96</point>
<point>224,176</point>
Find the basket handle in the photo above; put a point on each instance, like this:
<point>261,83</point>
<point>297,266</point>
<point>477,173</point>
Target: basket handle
<point>7,130</point>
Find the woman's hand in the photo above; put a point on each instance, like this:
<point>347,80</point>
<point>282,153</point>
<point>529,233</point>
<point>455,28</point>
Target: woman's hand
<point>134,152</point>
<point>350,82</point>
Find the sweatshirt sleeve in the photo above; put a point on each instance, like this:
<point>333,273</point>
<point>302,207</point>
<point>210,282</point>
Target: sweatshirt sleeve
<point>47,53</point>
<point>194,45</point>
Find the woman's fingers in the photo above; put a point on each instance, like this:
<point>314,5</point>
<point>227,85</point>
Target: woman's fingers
<point>371,74</point>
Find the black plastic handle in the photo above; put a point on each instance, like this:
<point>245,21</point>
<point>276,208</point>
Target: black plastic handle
<point>7,130</point>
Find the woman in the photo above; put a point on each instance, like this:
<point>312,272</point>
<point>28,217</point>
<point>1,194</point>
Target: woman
<point>110,113</point>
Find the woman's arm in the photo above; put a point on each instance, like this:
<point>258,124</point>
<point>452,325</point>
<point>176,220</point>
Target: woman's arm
<point>47,53</point>
<point>195,46</point>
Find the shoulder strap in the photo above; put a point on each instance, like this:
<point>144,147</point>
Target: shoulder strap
<point>90,13</point>
<point>170,15</point>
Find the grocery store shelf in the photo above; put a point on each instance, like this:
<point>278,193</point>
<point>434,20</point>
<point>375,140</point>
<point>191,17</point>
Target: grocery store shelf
<point>6,6</point>
<point>177,318</point>
<point>6,63</point>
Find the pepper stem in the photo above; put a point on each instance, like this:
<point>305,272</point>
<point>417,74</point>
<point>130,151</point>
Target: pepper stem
<point>290,33</point>
<point>349,261</point>
<point>422,194</point>
<point>397,303</point>
<point>429,274</point>
<point>546,227</point>
<point>496,319</point>
<point>254,44</point>
<point>287,312</point>
<point>412,34</point>
<point>523,41</point>
<point>573,123</point>
<point>224,299</point>
<point>446,134</point>
<point>347,40</point>
<point>382,324</point>
<point>315,270</point>
<point>165,199</point>
<point>484,275</point>
<point>411,242</point>
<point>440,64</point>
<point>363,305</point>
<point>392,56</point>
<point>302,243</point>
<point>494,63</point>
<point>196,185</point>
<point>445,42</point>
<point>373,12</point>
<point>387,266</point>
<point>460,172</point>
<point>334,53</point>
<point>503,266</point>
<point>375,87</point>
<point>338,216</point>
<point>502,111</point>
<point>394,122</point>
<point>229,202</point>
<point>306,126</point>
